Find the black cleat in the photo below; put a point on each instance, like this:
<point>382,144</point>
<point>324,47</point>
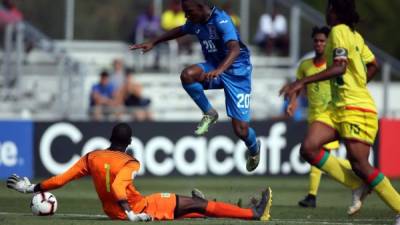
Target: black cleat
<point>196,193</point>
<point>262,210</point>
<point>310,201</point>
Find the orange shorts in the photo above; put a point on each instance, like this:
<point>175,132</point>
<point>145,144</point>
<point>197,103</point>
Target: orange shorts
<point>161,206</point>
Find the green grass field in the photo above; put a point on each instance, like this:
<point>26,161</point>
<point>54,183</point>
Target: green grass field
<point>78,203</point>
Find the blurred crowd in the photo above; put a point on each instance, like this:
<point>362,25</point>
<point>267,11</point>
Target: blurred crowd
<point>271,36</point>
<point>118,96</point>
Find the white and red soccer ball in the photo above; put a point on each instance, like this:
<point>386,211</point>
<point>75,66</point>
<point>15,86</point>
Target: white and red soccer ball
<point>43,204</point>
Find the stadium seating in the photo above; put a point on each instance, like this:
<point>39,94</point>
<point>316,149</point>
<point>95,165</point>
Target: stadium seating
<point>45,91</point>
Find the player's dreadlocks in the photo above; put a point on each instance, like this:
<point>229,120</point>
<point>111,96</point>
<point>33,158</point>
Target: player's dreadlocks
<point>320,30</point>
<point>202,2</point>
<point>345,11</point>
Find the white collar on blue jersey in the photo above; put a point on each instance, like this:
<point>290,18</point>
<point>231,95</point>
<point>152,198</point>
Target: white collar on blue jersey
<point>211,14</point>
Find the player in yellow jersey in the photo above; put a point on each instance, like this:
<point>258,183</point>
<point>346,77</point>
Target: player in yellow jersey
<point>352,110</point>
<point>319,96</point>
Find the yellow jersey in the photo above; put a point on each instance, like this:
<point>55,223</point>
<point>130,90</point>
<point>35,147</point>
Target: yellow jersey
<point>350,89</point>
<point>318,93</point>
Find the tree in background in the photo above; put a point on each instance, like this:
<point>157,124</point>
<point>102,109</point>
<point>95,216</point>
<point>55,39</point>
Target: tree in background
<point>111,20</point>
<point>378,16</point>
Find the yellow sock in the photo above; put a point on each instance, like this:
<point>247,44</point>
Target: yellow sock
<point>386,192</point>
<point>331,165</point>
<point>345,163</point>
<point>315,178</point>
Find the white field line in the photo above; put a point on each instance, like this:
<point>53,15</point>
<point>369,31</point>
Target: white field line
<point>57,214</point>
<point>273,220</point>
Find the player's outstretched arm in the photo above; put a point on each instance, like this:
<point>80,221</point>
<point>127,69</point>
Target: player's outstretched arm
<point>338,68</point>
<point>20,184</point>
<point>170,35</point>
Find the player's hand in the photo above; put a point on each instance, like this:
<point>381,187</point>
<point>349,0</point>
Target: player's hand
<point>291,89</point>
<point>19,184</point>
<point>212,74</point>
<point>145,47</point>
<point>291,107</point>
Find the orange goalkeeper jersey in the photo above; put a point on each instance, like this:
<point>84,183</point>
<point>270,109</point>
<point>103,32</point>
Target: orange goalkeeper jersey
<point>112,173</point>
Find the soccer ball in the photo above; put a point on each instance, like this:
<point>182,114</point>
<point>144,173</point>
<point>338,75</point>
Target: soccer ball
<point>43,204</point>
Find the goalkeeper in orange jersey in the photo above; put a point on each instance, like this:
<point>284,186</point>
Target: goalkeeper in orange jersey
<point>319,96</point>
<point>352,110</point>
<point>113,173</point>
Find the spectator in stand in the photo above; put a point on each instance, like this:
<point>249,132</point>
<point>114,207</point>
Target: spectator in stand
<point>227,7</point>
<point>133,98</point>
<point>273,33</point>
<point>103,98</point>
<point>174,17</point>
<point>118,74</point>
<point>147,27</point>
<point>9,14</point>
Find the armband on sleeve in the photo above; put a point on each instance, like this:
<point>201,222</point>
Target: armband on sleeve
<point>340,54</point>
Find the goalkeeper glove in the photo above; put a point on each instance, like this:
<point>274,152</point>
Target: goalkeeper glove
<point>19,184</point>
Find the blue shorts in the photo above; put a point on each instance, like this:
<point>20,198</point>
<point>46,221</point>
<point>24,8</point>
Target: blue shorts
<point>237,87</point>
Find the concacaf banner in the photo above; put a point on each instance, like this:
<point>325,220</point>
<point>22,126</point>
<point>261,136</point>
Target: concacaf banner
<point>16,152</point>
<point>172,149</point>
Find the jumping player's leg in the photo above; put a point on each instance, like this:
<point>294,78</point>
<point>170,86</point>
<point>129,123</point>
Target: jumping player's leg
<point>237,100</point>
<point>248,136</point>
<point>192,79</point>
<point>358,154</point>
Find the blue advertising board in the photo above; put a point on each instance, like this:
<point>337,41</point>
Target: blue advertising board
<point>16,148</point>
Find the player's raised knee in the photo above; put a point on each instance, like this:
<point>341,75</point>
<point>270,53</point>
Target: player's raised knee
<point>188,75</point>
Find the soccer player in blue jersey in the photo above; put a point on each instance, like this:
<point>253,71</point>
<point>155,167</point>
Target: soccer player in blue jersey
<point>227,65</point>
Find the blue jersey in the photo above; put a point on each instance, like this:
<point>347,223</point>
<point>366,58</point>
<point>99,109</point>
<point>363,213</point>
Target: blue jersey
<point>213,36</point>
